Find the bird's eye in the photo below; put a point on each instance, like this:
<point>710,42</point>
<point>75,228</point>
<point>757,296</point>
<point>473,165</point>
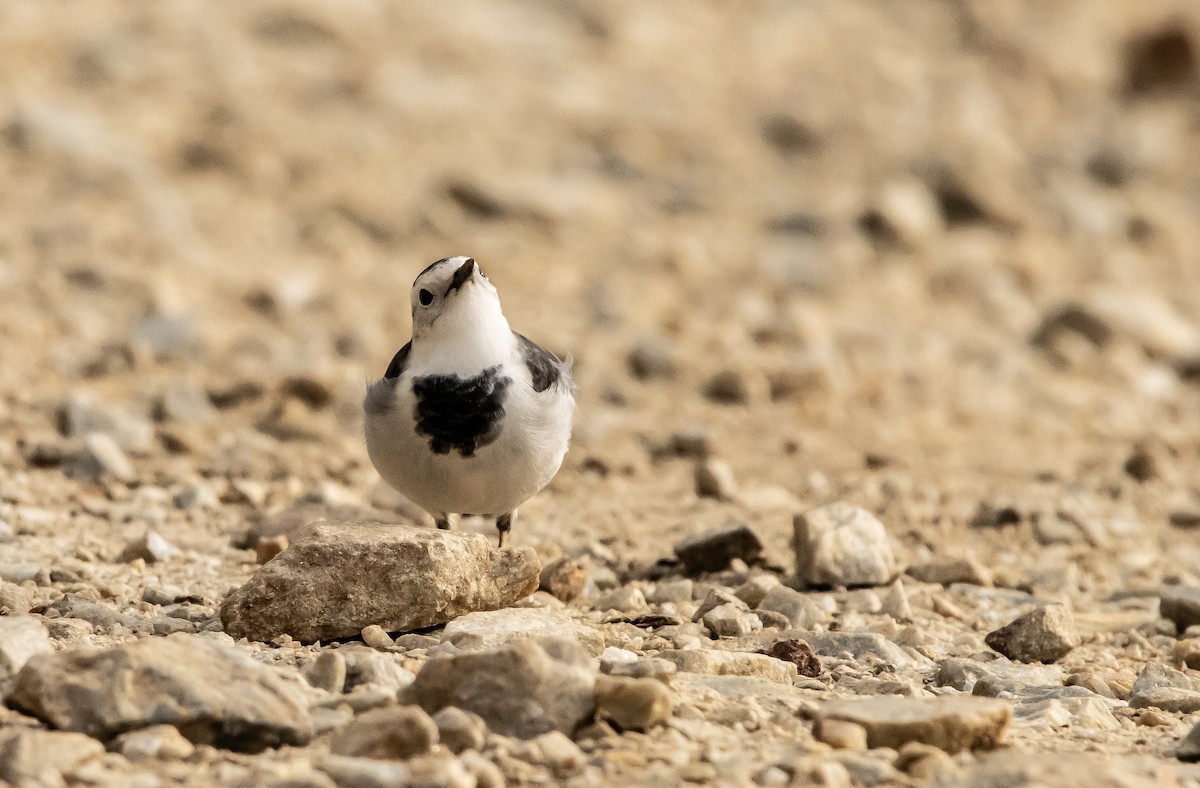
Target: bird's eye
<point>425,297</point>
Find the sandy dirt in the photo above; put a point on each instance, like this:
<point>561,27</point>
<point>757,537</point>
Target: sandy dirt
<point>933,259</point>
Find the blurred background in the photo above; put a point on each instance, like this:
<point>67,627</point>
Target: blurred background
<point>939,258</point>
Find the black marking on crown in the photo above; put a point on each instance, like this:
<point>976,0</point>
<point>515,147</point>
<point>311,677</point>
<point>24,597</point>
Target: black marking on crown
<point>460,414</point>
<point>399,362</point>
<point>544,367</point>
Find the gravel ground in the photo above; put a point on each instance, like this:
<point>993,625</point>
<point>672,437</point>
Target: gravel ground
<point>886,322</point>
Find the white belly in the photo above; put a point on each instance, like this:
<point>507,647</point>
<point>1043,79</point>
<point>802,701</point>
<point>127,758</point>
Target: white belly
<point>496,479</point>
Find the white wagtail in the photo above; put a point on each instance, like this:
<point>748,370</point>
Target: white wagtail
<point>470,417</point>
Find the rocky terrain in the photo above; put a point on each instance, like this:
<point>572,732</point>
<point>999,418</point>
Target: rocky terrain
<point>886,322</point>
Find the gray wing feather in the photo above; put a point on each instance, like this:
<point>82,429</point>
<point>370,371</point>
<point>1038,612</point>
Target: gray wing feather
<point>545,368</point>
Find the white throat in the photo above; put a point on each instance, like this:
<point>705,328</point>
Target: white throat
<point>472,334</point>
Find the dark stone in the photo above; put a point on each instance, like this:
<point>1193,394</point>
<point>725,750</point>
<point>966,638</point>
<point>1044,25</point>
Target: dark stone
<point>1182,606</point>
<point>712,551</point>
<point>1072,318</point>
<point>1141,465</point>
<point>1161,61</point>
<point>799,654</point>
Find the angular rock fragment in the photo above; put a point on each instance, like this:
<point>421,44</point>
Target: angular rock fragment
<point>327,672</point>
<point>1175,699</point>
<point>460,730</point>
<point>375,637</point>
<point>633,703</point>
<point>674,591</point>
<point>151,547</point>
<point>712,551</point>
<point>36,757</point>
<point>895,603</point>
<point>841,545</point>
<point>367,667</point>
<point>754,590</point>
<point>801,612</point>
<point>392,732</point>
<point>769,619</point>
<point>268,547</point>
<point>950,723</point>
<point>714,479</point>
<point>100,455</point>
<point>1155,675</point>
<point>21,637</point>
<point>79,417</point>
<point>15,600</point>
<point>493,629</point>
<point>157,741</point>
<point>799,654</point>
<point>715,598</point>
<point>626,599</point>
<point>1186,652</point>
<point>212,693</point>
<point>336,579</point>
<point>1188,748</point>
<point>1046,634</point>
<point>729,620</point>
<point>523,690</point>
<point>563,578</point>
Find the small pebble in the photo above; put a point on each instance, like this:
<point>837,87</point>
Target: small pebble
<point>563,578</point>
<point>842,735</point>
<point>714,479</point>
<point>633,703</point>
<point>798,653</point>
<point>653,358</point>
<point>460,730</point>
<point>327,672</point>
<point>268,547</point>
<point>375,637</point>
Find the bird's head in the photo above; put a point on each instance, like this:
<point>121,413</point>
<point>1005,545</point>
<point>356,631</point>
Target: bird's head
<point>452,299</point>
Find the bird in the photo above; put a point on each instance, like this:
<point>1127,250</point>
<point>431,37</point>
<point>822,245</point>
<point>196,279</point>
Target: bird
<point>470,417</point>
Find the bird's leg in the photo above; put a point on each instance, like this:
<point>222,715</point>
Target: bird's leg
<point>442,521</point>
<point>504,525</point>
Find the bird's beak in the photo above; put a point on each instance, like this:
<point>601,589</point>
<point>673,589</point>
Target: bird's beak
<point>462,275</point>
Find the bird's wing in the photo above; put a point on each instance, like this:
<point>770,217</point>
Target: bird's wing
<point>545,368</point>
<point>399,362</point>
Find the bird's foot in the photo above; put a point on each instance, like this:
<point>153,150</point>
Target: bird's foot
<point>504,525</point>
